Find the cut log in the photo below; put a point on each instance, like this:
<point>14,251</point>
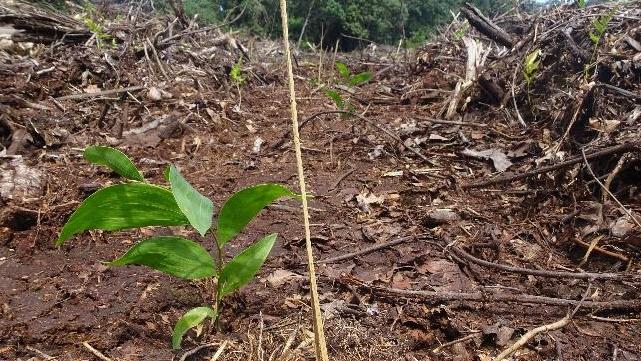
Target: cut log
<point>486,26</point>
<point>32,24</point>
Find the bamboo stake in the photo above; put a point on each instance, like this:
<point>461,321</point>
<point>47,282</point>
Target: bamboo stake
<point>319,336</point>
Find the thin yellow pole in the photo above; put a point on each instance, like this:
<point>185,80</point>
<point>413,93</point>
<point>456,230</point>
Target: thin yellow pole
<point>319,336</point>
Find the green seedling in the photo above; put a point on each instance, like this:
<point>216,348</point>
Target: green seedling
<point>530,67</point>
<point>351,81</point>
<point>101,35</point>
<point>137,203</point>
<point>236,76</point>
<point>599,27</point>
<point>461,31</point>
<point>236,73</point>
<point>581,4</point>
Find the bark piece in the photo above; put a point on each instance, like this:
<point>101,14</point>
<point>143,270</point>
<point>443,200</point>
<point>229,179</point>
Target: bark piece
<point>486,26</point>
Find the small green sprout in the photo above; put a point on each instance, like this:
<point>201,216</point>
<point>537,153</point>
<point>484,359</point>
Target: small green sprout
<point>101,35</point>
<point>236,73</point>
<point>599,27</point>
<point>350,80</point>
<point>530,66</point>
<point>461,31</point>
<point>136,203</point>
<point>581,4</point>
<point>236,76</point>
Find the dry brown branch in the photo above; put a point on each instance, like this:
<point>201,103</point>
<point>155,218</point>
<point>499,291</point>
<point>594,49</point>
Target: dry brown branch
<point>623,208</point>
<point>543,273</point>
<point>101,93</point>
<point>530,335</point>
<point>371,249</point>
<point>486,26</point>
<point>495,297</point>
<point>615,149</point>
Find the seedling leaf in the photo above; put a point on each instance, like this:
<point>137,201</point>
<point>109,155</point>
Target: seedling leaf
<point>171,255</point>
<point>336,98</point>
<point>124,206</point>
<point>114,159</point>
<point>343,71</point>
<point>198,208</point>
<point>190,319</point>
<point>242,268</point>
<point>243,206</point>
<point>361,78</point>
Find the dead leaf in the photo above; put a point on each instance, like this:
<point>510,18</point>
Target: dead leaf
<point>499,159</point>
<point>281,277</point>
<point>366,199</point>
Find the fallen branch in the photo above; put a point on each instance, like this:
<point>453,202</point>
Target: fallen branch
<point>626,93</point>
<point>545,328</point>
<point>492,297</point>
<point>95,352</point>
<point>101,93</point>
<point>450,122</point>
<point>623,208</point>
<point>625,147</point>
<point>485,26</point>
<point>462,339</point>
<point>373,248</point>
<point>530,335</point>
<point>544,273</point>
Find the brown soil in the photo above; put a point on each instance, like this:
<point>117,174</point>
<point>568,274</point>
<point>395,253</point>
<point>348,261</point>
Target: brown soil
<point>367,189</point>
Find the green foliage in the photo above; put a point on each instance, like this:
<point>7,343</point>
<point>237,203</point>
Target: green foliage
<point>171,255</point>
<point>461,31</point>
<point>236,73</point>
<point>198,209</point>
<point>599,26</point>
<point>97,28</point>
<point>138,204</point>
<point>580,4</point>
<point>114,159</point>
<point>336,98</point>
<point>190,319</point>
<point>244,206</point>
<point>381,21</point>
<point>124,206</point>
<point>348,79</point>
<point>530,66</point>
<point>242,268</point>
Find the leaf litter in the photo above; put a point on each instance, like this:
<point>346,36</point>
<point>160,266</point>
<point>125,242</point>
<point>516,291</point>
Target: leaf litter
<point>58,98</point>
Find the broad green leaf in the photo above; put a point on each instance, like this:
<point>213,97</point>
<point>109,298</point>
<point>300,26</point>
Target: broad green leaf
<point>114,159</point>
<point>361,78</point>
<point>123,206</point>
<point>242,268</point>
<point>198,208</point>
<point>342,70</point>
<point>243,206</point>
<point>190,319</point>
<point>172,255</point>
<point>336,98</point>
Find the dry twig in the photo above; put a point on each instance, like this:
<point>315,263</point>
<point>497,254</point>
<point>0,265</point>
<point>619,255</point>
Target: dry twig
<point>620,148</point>
<point>623,208</point>
<point>96,353</point>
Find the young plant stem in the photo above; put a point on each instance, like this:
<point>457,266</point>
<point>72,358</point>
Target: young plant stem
<point>217,298</point>
<point>240,96</point>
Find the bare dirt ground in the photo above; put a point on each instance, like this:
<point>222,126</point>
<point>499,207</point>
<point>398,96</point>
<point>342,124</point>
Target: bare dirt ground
<point>558,241</point>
